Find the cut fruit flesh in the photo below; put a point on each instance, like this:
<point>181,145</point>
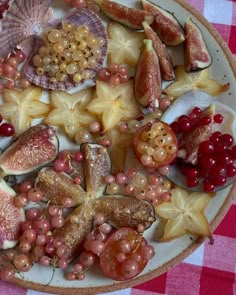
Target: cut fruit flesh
<point>147,82</point>
<point>124,45</point>
<point>184,214</point>
<point>165,24</point>
<point>131,17</point>
<point>36,147</point>
<point>11,217</point>
<point>197,56</point>
<point>155,144</point>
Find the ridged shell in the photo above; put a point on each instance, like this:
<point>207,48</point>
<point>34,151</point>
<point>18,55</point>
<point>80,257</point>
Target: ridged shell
<point>23,19</point>
<point>79,17</point>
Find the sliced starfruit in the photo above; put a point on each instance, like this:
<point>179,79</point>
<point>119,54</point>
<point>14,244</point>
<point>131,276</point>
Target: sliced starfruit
<point>69,111</point>
<point>184,214</point>
<point>124,45</point>
<point>194,81</point>
<point>114,103</point>
<point>21,107</point>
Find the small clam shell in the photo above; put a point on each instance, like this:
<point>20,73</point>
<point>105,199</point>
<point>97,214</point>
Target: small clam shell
<point>79,17</point>
<point>24,18</point>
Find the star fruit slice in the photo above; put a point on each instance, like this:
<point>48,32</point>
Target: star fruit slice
<point>21,107</point>
<point>69,111</point>
<point>124,45</point>
<point>184,214</point>
<point>194,81</point>
<point>114,103</point>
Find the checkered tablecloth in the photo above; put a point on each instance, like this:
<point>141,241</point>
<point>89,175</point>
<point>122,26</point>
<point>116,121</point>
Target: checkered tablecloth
<point>211,269</point>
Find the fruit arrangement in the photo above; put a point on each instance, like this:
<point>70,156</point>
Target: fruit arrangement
<point>98,150</point>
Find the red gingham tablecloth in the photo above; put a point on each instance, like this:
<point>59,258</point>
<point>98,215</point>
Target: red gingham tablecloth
<point>211,269</point>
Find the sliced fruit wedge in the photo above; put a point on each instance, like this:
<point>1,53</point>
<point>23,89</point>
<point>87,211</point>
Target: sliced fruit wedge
<point>36,147</point>
<point>131,17</point>
<point>11,217</point>
<point>20,108</point>
<point>197,56</point>
<point>185,82</point>
<point>124,45</point>
<point>69,111</point>
<point>147,82</point>
<point>58,186</point>
<point>184,214</point>
<point>96,165</point>
<point>114,103</point>
<point>166,66</point>
<point>165,24</point>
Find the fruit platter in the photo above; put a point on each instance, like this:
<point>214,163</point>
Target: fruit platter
<point>118,140</point>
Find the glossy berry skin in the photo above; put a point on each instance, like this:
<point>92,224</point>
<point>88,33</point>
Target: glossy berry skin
<point>123,269</point>
<point>6,129</point>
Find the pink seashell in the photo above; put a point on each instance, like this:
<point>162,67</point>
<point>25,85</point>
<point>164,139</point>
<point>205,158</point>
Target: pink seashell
<point>23,19</point>
<point>79,17</point>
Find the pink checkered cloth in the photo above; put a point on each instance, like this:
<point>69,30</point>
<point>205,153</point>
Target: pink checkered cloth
<point>211,269</point>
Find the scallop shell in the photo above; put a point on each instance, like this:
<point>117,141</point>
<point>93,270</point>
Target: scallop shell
<point>24,18</point>
<point>79,17</point>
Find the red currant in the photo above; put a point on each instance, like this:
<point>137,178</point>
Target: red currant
<point>218,118</point>
<point>196,111</point>
<point>226,139</point>
<point>206,147</point>
<point>191,182</point>
<point>208,186</point>
<point>231,170</point>
<point>7,129</point>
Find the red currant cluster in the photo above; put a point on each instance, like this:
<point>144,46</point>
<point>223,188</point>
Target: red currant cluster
<point>67,161</point>
<point>11,76</point>
<point>187,122</point>
<point>114,74</point>
<point>3,6</point>
<point>216,156</point>
<point>6,129</point>
<point>215,164</point>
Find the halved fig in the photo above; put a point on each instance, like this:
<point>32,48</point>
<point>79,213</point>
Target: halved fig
<point>96,165</point>
<point>165,24</point>
<point>166,66</point>
<point>58,186</point>
<point>197,56</point>
<point>36,147</point>
<point>131,17</point>
<point>10,217</point>
<point>121,211</point>
<point>118,210</point>
<point>147,84</point>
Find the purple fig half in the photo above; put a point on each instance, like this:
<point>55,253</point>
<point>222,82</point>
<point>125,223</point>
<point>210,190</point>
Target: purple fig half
<point>165,24</point>
<point>11,217</point>
<point>36,147</point>
<point>147,84</point>
<point>131,17</point>
<point>197,56</point>
<point>166,66</point>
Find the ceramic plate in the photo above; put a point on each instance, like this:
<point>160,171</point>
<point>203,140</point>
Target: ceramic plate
<point>171,253</point>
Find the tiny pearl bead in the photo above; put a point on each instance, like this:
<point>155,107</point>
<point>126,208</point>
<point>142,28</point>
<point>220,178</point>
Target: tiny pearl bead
<point>139,180</point>
<point>130,189</point>
<point>165,196</point>
<point>109,179</point>
<point>153,179</point>
<point>121,178</point>
<point>123,128</point>
<point>113,188</point>
<point>95,127</point>
<point>164,170</point>
<point>131,172</point>
<point>165,103</point>
<point>146,159</point>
